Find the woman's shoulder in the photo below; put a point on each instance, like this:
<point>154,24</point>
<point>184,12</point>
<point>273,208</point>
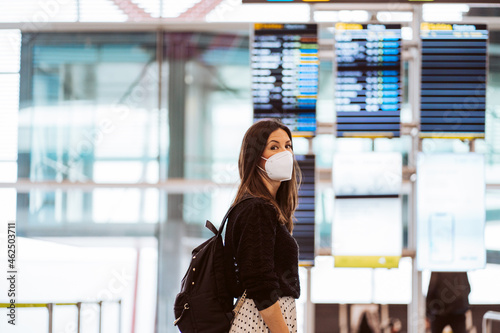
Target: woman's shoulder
<point>253,202</point>
<point>254,205</point>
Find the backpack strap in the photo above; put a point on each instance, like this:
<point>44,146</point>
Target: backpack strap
<point>221,228</point>
<point>211,227</point>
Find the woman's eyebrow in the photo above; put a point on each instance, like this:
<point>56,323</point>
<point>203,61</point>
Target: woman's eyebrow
<point>288,141</point>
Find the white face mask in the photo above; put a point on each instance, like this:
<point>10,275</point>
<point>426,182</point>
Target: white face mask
<point>279,166</point>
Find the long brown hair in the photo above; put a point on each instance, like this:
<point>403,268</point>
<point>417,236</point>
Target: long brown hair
<point>252,147</point>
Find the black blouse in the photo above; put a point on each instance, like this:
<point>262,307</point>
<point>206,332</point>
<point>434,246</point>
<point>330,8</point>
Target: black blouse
<point>260,254</point>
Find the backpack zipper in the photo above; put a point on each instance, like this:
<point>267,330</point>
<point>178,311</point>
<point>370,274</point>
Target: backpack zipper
<point>186,307</point>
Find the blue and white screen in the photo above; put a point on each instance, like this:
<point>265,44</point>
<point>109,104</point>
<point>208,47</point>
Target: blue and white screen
<point>454,68</point>
<point>368,88</point>
<point>303,230</point>
<point>285,75</point>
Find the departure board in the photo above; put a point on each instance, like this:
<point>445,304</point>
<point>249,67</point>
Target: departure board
<point>367,227</point>
<point>303,230</point>
<point>454,70</point>
<point>285,75</point>
<point>368,87</point>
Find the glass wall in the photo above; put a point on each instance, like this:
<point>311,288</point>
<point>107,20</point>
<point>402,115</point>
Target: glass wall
<point>89,112</point>
<point>218,111</point>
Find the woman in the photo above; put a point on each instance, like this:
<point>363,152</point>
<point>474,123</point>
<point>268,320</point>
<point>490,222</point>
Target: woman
<point>261,256</point>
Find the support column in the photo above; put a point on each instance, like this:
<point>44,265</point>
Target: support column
<point>309,310</point>
<point>171,230</point>
<point>79,309</point>
<point>50,307</point>
<point>119,315</point>
<point>100,317</point>
<point>416,319</point>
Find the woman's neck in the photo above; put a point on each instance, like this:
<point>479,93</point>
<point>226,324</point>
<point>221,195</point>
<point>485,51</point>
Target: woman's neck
<point>272,186</point>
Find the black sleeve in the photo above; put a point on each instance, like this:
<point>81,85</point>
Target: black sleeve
<point>256,226</point>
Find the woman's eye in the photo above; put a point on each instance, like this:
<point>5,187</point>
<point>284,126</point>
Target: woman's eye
<point>286,147</point>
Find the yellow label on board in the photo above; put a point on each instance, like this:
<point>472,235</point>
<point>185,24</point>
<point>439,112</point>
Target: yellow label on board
<point>461,136</point>
<point>348,26</point>
<point>367,261</point>
<point>259,26</point>
<point>436,26</point>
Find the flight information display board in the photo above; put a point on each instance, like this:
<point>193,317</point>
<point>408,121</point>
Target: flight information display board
<point>303,230</point>
<point>367,227</point>
<point>368,88</point>
<point>367,232</point>
<point>451,212</point>
<point>285,75</point>
<point>454,69</point>
<point>352,178</point>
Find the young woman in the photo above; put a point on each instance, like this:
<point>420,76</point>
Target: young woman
<point>261,256</point>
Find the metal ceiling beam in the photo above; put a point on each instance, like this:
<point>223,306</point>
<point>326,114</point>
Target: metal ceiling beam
<point>132,10</point>
<point>154,24</point>
<point>89,229</point>
<point>200,10</point>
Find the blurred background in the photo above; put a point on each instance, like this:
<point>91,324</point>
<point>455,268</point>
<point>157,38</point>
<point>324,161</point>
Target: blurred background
<point>120,128</point>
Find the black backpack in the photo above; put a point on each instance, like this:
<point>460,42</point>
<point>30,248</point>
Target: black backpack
<point>204,304</point>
